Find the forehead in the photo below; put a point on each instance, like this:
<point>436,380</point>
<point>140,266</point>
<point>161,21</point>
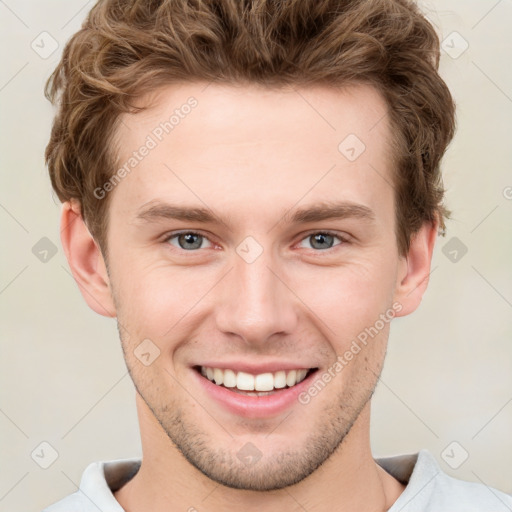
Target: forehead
<point>255,147</point>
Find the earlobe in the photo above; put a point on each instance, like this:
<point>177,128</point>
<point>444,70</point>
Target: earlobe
<point>414,270</point>
<point>85,260</point>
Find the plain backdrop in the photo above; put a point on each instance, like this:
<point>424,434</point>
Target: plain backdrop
<point>447,380</point>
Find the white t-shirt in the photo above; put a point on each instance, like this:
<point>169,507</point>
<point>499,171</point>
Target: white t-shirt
<point>428,489</point>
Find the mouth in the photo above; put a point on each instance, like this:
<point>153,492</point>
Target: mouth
<point>255,385</point>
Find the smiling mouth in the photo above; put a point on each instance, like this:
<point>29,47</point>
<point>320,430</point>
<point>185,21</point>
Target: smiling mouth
<point>255,385</point>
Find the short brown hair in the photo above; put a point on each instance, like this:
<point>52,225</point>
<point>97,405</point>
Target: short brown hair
<point>128,48</point>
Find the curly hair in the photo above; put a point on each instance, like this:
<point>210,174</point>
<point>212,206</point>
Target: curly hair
<point>126,49</point>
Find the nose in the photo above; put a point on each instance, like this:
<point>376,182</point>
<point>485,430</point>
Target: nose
<point>255,302</point>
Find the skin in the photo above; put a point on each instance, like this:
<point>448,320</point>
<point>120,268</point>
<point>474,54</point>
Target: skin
<point>251,155</point>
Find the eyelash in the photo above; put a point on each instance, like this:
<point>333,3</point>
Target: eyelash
<point>343,240</point>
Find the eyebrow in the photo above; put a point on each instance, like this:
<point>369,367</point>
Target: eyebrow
<point>326,211</point>
<point>157,210</point>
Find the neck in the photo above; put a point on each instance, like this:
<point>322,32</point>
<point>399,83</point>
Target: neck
<point>349,481</point>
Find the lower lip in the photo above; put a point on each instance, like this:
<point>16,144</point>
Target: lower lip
<point>254,406</point>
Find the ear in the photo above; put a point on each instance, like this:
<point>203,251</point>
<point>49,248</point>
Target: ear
<point>414,269</point>
<point>85,260</point>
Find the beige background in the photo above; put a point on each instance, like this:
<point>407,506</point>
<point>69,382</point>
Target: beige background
<point>448,374</point>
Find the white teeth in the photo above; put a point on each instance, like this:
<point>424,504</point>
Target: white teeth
<point>262,384</point>
<point>291,378</point>
<point>218,376</point>
<point>301,374</point>
<point>280,379</point>
<point>245,381</point>
<point>229,379</point>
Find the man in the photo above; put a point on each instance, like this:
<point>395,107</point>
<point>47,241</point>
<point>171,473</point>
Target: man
<point>253,190</point>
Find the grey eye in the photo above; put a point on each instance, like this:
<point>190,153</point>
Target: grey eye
<point>187,241</point>
<point>321,241</point>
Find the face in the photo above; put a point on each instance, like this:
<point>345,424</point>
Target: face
<point>248,239</point>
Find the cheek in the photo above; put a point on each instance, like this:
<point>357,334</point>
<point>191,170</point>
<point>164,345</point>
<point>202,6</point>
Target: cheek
<point>349,298</point>
<point>154,299</point>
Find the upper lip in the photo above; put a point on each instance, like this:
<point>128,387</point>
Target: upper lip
<point>256,369</point>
